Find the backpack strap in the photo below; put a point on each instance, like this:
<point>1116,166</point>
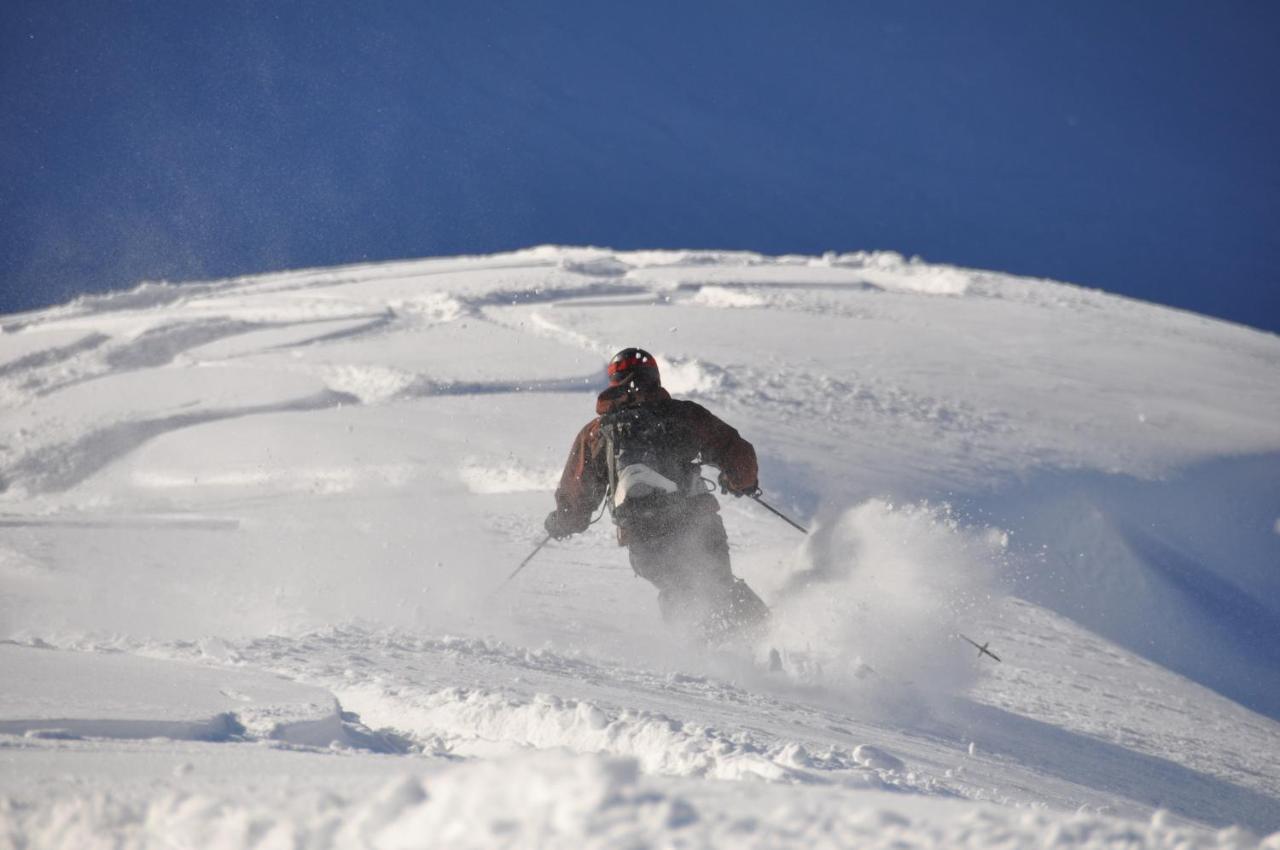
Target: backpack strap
<point>608,429</point>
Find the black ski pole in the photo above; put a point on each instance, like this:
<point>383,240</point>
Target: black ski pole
<point>780,514</point>
<point>982,647</point>
<point>525,562</point>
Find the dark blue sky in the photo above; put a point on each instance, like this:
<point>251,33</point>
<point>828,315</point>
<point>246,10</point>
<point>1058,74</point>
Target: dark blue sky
<point>1128,146</point>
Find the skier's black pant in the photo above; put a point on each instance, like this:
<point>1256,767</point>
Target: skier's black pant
<point>688,561</point>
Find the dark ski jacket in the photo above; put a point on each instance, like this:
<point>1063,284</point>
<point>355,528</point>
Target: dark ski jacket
<point>585,480</point>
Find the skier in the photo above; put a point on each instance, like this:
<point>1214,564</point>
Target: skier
<point>644,452</point>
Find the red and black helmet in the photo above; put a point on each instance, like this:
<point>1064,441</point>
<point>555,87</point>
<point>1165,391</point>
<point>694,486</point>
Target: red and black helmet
<point>633,366</point>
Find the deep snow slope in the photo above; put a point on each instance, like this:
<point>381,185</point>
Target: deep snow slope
<point>300,493</point>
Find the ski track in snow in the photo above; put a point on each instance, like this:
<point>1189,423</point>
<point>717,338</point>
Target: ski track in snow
<point>306,419</point>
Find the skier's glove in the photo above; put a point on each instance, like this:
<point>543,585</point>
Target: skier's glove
<point>554,525</point>
<point>751,490</point>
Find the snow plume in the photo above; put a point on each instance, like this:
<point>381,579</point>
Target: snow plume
<point>881,594</point>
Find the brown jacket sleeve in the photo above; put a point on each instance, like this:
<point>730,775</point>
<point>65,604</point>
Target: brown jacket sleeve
<point>723,446</point>
<point>584,481</point>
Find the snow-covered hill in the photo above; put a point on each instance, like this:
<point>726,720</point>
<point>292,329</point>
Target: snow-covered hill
<point>255,534</point>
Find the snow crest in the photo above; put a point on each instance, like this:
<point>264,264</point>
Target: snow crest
<point>724,297</point>
<point>562,801</point>
<point>890,270</point>
<point>472,722</point>
<point>370,384</point>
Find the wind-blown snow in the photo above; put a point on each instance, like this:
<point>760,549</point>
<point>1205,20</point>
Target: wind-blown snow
<point>881,587</point>
<point>256,534</point>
